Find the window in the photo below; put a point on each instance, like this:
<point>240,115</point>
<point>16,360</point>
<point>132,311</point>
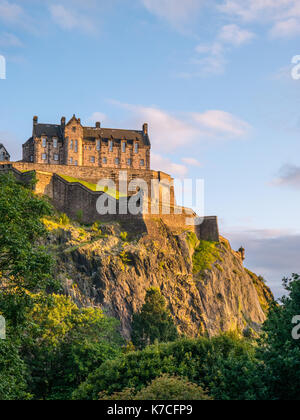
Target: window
<point>44,142</point>
<point>55,143</point>
<point>76,163</point>
<point>123,147</point>
<point>71,144</point>
<point>56,157</point>
<point>92,159</point>
<point>76,146</point>
<point>129,162</point>
<point>117,161</point>
<point>136,148</point>
<point>74,129</point>
<point>142,162</point>
<point>98,147</point>
<point>44,156</point>
<point>31,158</point>
<point>111,145</point>
<point>105,161</point>
<point>71,161</point>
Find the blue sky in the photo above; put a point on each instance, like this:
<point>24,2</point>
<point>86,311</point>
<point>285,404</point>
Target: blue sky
<point>212,79</point>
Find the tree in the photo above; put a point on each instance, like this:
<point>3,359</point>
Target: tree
<point>163,388</point>
<point>278,350</point>
<point>154,322</point>
<point>65,344</point>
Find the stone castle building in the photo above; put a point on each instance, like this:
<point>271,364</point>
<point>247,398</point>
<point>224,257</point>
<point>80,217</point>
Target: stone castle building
<point>4,155</point>
<point>73,144</point>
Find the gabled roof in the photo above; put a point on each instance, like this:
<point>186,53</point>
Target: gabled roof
<point>117,134</point>
<point>48,130</point>
<point>2,146</point>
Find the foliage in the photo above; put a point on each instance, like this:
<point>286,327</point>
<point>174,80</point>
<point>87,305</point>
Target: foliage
<point>12,373</point>
<point>64,344</point>
<point>278,351</point>
<point>154,322</point>
<point>222,365</point>
<point>163,388</point>
<point>64,220</point>
<point>79,216</point>
<point>192,239</point>
<point>23,262</point>
<point>124,236</point>
<point>205,255</point>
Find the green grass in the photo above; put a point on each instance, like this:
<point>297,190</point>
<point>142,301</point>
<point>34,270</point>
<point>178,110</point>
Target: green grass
<point>94,187</point>
<point>205,255</point>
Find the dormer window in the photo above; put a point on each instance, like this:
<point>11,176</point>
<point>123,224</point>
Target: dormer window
<point>44,141</point>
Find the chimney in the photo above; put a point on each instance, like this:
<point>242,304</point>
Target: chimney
<point>98,124</point>
<point>35,120</point>
<point>145,129</point>
<point>63,121</point>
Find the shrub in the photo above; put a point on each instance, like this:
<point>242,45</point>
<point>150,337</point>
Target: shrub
<point>205,255</point>
<point>124,236</point>
<point>64,220</point>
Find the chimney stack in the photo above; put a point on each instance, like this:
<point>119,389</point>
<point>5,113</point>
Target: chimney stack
<point>98,124</point>
<point>35,120</point>
<point>145,129</point>
<point>63,121</point>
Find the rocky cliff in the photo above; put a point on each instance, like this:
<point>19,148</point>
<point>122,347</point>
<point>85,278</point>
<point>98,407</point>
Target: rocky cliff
<point>205,284</point>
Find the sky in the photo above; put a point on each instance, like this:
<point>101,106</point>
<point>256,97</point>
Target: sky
<point>217,81</point>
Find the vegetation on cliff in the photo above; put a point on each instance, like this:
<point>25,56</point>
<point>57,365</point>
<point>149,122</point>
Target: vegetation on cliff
<point>63,347</point>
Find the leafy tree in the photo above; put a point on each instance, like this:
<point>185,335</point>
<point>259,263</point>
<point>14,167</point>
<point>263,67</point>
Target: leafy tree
<point>164,388</point>
<point>278,351</point>
<point>12,373</point>
<point>154,322</point>
<point>224,366</point>
<point>64,344</point>
<point>24,263</point>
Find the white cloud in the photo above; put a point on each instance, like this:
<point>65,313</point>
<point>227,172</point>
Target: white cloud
<point>234,35</point>
<point>222,122</point>
<point>161,163</point>
<point>98,116</point>
<point>9,40</point>
<point>173,131</point>
<point>68,19</point>
<point>283,15</point>
<point>175,11</point>
<point>228,37</point>
<point>10,12</point>
<point>191,162</point>
<point>286,28</point>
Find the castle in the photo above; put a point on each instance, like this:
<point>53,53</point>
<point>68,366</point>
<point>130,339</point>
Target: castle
<point>74,145</point>
<point>69,160</point>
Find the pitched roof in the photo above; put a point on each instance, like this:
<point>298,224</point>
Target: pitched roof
<point>118,134</point>
<point>49,130</point>
<point>2,146</point>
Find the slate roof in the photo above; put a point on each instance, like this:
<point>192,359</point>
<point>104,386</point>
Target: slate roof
<point>48,130</point>
<point>2,146</point>
<point>116,134</point>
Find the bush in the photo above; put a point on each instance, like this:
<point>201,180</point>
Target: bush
<point>164,388</point>
<point>223,365</point>
<point>205,255</point>
<point>124,236</point>
<point>64,220</point>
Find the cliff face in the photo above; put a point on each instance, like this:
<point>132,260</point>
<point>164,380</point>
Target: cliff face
<point>207,287</point>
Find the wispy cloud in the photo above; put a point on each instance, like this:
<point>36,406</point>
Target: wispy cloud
<point>161,163</point>
<point>9,40</point>
<point>69,19</point>
<point>174,11</point>
<point>170,131</point>
<point>282,15</point>
<point>191,162</point>
<point>214,60</point>
<point>10,12</point>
